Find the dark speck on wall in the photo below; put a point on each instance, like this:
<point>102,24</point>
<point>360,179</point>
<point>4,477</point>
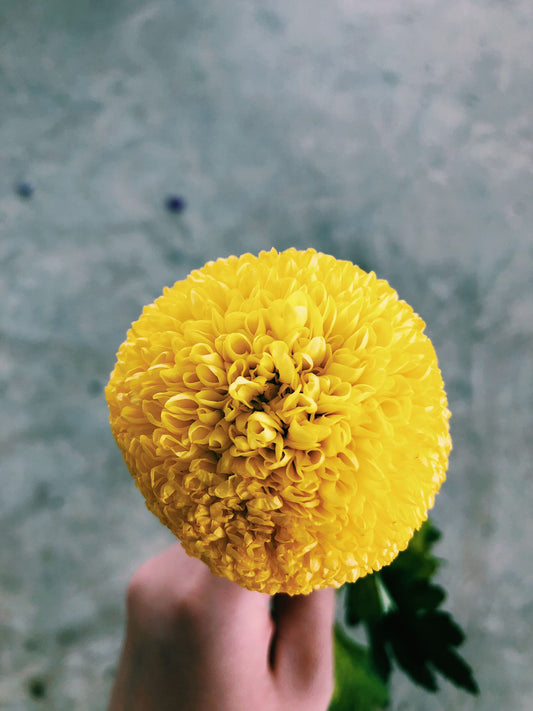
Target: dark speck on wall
<point>175,203</point>
<point>37,688</point>
<point>390,77</point>
<point>24,189</point>
<point>94,387</point>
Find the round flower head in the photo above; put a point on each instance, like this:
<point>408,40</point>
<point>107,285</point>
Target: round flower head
<point>284,415</point>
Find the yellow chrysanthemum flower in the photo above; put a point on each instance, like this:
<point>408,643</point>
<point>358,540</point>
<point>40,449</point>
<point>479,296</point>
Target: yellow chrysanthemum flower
<point>284,415</point>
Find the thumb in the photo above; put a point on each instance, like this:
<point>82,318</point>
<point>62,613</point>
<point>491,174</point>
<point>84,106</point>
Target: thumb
<point>302,649</point>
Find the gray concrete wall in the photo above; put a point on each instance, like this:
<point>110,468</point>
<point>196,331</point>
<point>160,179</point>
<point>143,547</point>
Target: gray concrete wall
<point>397,134</point>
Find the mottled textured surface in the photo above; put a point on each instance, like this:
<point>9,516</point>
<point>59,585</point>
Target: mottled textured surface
<point>396,134</point>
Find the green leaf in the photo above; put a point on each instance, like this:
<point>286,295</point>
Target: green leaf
<point>363,604</point>
<point>362,601</point>
<point>438,629</point>
<point>411,593</point>
<point>357,686</point>
<point>417,558</point>
<point>454,668</point>
<point>378,649</point>
<point>399,608</point>
<point>426,596</point>
<point>410,655</point>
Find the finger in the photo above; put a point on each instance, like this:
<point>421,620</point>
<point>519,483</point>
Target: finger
<point>243,615</point>
<point>171,572</point>
<point>173,588</point>
<point>222,595</point>
<point>302,645</point>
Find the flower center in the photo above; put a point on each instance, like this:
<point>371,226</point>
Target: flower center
<point>280,402</point>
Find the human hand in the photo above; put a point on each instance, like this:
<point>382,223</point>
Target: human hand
<point>196,642</point>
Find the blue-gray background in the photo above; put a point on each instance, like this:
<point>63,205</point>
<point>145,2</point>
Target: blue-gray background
<point>397,134</point>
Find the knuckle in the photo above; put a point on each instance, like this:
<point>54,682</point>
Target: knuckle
<point>140,589</point>
<point>155,604</point>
